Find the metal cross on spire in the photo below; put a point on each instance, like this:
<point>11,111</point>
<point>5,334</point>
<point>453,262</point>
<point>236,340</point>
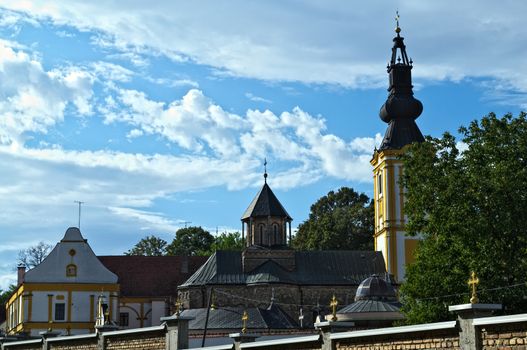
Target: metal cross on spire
<point>397,17</point>
<point>265,170</point>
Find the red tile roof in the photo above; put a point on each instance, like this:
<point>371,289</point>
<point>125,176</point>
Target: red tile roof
<point>152,276</point>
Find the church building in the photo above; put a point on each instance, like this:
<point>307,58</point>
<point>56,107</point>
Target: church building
<point>400,111</point>
<point>270,272</point>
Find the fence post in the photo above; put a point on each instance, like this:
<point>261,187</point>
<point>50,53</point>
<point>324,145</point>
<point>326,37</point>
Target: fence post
<point>45,335</point>
<point>328,327</point>
<point>176,331</point>
<point>469,339</point>
<point>240,338</point>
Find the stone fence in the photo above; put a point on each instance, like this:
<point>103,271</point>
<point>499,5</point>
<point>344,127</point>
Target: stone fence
<point>474,329</point>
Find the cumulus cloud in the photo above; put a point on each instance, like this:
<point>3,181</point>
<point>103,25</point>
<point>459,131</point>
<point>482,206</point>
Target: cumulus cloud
<point>255,98</point>
<point>34,99</point>
<point>199,126</point>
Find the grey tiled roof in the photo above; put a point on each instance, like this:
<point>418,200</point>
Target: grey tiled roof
<point>231,318</point>
<point>370,306</point>
<point>265,204</point>
<point>311,268</point>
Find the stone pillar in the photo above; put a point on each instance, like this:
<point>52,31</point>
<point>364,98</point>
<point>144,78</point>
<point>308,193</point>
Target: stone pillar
<point>328,327</point>
<point>240,338</point>
<point>177,332</point>
<point>100,330</point>
<point>46,335</point>
<point>250,233</point>
<point>468,337</point>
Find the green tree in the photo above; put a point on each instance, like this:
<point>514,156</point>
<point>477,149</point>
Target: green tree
<point>470,207</point>
<point>33,255</point>
<point>227,241</point>
<point>191,240</point>
<point>340,220</point>
<point>6,294</point>
<point>149,246</point>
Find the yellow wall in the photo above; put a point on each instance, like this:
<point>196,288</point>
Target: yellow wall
<point>24,296</point>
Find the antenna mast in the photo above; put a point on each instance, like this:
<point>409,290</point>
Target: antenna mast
<point>80,204</point>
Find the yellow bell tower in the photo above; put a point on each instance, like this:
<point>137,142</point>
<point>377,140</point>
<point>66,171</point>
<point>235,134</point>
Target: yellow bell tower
<point>399,111</point>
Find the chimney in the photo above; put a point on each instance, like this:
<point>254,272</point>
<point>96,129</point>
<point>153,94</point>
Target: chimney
<point>184,264</point>
<point>21,271</point>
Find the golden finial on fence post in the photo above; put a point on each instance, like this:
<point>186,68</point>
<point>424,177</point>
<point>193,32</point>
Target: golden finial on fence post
<point>333,304</point>
<point>473,282</point>
<point>245,317</point>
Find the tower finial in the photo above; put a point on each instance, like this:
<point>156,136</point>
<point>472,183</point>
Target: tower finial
<point>265,170</point>
<point>397,28</point>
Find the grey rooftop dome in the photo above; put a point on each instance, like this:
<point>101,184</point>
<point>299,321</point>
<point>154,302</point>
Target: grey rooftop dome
<point>375,288</point>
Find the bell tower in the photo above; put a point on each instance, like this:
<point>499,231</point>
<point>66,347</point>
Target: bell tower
<point>399,111</point>
<point>268,223</point>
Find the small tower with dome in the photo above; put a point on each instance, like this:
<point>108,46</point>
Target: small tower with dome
<point>266,222</point>
<point>376,305</point>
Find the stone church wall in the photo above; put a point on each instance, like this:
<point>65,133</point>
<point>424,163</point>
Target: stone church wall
<point>288,297</point>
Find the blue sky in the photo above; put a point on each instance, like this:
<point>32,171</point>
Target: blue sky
<point>158,113</point>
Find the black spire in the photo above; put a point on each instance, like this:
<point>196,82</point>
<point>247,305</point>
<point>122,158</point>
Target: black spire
<point>401,108</point>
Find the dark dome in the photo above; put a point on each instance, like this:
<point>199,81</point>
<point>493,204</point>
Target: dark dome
<point>375,288</point>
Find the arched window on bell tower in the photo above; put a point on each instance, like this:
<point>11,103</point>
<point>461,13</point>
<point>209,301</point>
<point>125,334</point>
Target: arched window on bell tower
<point>276,234</point>
<point>261,231</point>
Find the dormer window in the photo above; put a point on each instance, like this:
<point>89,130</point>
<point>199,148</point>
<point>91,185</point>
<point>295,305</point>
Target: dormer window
<point>71,270</point>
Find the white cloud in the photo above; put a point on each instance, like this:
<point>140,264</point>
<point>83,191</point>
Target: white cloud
<point>112,72</point>
<point>133,57</point>
<point>64,34</point>
<point>146,219</point>
<point>34,99</point>
<point>255,98</point>
<point>330,42</point>
<point>204,129</point>
<point>134,133</point>
<point>174,82</point>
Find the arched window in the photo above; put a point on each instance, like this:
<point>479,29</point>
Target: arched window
<point>276,234</point>
<point>261,228</point>
<point>71,270</point>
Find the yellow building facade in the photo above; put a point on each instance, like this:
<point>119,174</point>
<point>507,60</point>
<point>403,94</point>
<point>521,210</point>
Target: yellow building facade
<point>61,292</point>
